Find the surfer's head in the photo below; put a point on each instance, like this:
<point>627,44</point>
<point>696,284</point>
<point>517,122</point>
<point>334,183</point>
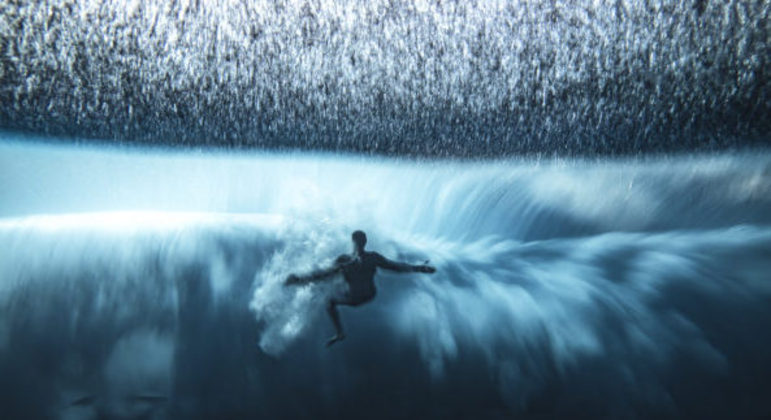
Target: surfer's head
<point>359,239</point>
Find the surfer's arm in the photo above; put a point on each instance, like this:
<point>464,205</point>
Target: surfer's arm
<point>401,267</point>
<point>317,275</point>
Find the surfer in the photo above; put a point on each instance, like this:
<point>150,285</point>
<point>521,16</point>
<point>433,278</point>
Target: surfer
<point>358,271</point>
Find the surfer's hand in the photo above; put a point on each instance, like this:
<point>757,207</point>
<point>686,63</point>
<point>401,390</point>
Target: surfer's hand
<point>425,269</point>
<point>292,279</point>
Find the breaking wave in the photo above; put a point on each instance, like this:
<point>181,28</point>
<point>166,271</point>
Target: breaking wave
<point>630,289</point>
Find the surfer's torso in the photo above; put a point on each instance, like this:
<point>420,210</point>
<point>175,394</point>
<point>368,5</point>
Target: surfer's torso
<point>359,273</point>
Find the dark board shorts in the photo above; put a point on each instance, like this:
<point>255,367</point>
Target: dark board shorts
<point>352,299</point>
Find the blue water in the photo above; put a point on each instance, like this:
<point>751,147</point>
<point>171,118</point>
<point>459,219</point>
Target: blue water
<point>147,283</point>
<point>138,284</point>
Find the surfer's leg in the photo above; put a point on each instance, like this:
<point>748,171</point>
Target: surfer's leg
<point>335,316</point>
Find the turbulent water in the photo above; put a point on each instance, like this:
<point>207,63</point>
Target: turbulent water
<point>147,283</point>
<point>621,289</point>
<point>410,77</point>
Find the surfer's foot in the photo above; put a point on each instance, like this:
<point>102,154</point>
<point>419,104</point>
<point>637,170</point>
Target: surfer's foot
<point>335,339</point>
